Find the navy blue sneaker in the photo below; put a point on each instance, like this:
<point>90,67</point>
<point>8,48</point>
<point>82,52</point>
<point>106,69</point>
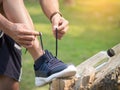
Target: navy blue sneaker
<point>47,67</point>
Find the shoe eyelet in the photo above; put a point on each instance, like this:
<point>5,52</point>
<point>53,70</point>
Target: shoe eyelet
<point>46,61</point>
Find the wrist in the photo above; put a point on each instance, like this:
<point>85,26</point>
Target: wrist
<point>13,26</point>
<point>55,14</point>
<point>7,27</point>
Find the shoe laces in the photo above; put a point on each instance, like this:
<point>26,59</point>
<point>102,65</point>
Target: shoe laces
<point>51,61</point>
<point>41,42</point>
<point>56,43</point>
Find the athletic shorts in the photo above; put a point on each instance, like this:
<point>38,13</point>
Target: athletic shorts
<point>10,58</point>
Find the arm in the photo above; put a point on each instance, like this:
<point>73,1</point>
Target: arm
<point>17,31</point>
<point>49,7</point>
<point>4,23</point>
<point>21,27</point>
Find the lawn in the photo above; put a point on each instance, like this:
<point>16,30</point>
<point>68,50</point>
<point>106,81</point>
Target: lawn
<point>94,26</point>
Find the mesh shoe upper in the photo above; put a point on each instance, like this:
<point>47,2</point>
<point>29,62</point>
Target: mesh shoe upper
<point>47,65</point>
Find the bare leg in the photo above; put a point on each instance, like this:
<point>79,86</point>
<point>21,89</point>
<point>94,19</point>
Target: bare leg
<point>17,13</point>
<point>7,83</point>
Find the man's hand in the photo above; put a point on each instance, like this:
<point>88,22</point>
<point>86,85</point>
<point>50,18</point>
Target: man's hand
<point>61,24</point>
<point>22,35</point>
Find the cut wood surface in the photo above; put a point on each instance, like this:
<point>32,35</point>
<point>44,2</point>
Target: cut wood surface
<point>93,75</point>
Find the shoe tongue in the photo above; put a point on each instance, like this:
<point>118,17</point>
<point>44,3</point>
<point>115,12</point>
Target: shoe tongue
<point>45,57</point>
<point>48,54</point>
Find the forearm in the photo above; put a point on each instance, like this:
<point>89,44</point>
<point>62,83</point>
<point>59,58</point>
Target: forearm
<point>51,10</point>
<point>4,24</point>
<point>49,7</point>
<point>17,13</point>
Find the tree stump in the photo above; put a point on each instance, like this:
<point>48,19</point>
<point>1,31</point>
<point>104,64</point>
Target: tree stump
<point>90,77</point>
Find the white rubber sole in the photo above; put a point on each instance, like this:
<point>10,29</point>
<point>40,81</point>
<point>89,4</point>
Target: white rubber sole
<point>69,71</point>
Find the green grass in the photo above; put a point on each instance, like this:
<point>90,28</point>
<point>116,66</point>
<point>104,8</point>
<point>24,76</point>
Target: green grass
<point>94,26</point>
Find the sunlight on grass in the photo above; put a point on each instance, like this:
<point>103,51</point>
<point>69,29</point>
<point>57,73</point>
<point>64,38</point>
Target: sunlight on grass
<point>45,28</point>
<point>75,30</point>
<point>97,10</point>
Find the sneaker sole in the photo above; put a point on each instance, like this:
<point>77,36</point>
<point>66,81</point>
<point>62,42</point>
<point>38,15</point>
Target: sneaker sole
<point>68,72</point>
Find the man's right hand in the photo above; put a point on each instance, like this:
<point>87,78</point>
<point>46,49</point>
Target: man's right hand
<point>22,34</point>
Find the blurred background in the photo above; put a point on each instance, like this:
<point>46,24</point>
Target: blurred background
<point>94,25</point>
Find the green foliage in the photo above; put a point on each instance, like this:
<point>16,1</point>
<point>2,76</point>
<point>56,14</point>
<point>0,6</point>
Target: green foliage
<point>94,26</point>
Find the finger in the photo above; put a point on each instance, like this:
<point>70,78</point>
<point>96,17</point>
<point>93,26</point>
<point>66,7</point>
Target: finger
<point>36,33</point>
<point>63,31</point>
<point>26,38</point>
<point>63,25</point>
<point>26,44</point>
<point>30,32</point>
<point>55,24</point>
<point>55,27</point>
<point>59,35</point>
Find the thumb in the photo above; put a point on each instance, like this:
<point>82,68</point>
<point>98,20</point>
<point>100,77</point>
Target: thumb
<point>55,24</point>
<point>55,27</point>
<point>36,33</point>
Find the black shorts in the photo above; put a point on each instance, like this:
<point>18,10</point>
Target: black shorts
<point>10,58</point>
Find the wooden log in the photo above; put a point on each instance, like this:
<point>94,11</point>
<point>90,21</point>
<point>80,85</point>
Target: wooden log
<point>90,77</point>
<point>108,78</point>
<point>63,83</point>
